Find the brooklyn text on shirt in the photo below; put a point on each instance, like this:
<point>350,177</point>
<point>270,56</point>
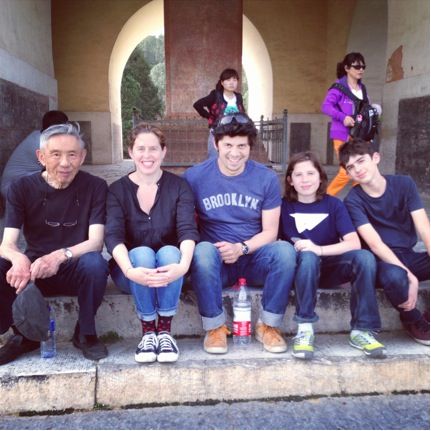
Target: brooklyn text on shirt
<point>230,199</point>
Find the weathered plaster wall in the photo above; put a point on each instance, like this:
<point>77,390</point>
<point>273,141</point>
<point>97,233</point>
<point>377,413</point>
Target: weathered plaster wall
<point>407,73</point>
<point>27,85</point>
<point>302,37</point>
<point>84,33</point>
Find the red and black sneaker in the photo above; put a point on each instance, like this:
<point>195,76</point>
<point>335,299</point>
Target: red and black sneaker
<point>419,330</point>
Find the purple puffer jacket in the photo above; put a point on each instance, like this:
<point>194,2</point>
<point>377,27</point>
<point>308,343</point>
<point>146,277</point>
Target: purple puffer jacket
<point>338,106</point>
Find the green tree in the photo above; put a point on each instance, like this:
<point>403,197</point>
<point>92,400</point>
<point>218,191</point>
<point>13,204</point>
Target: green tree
<point>153,48</point>
<point>138,92</point>
<point>158,76</point>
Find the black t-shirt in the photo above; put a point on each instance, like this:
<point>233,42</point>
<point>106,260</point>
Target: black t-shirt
<point>55,218</point>
<point>171,219</point>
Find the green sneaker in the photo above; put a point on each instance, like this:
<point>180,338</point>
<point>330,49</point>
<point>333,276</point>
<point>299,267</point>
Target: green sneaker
<point>303,345</point>
<point>365,341</point>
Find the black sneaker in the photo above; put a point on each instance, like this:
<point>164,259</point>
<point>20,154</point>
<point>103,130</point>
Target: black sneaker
<point>419,331</point>
<point>147,348</point>
<point>92,348</point>
<point>168,349</point>
<point>16,346</point>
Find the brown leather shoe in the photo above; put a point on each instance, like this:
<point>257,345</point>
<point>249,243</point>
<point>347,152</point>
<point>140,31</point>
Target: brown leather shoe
<point>271,338</point>
<point>216,340</point>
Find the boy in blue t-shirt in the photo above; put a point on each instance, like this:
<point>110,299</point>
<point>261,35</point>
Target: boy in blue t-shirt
<point>387,212</point>
<point>238,204</point>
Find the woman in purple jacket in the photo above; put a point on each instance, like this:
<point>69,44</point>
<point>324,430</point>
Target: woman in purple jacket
<point>341,109</point>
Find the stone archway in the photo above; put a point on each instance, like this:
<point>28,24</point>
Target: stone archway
<point>145,22</point>
<point>149,21</point>
<point>257,66</point>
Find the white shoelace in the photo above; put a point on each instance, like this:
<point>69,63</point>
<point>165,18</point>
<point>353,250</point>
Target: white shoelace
<point>148,342</point>
<point>167,343</point>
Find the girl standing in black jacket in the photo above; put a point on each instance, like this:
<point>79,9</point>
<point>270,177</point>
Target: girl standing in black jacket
<point>222,101</point>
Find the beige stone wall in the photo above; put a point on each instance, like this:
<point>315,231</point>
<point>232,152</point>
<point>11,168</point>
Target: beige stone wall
<point>25,46</point>
<point>407,66</point>
<point>305,39</point>
<point>25,32</point>
<point>84,33</point>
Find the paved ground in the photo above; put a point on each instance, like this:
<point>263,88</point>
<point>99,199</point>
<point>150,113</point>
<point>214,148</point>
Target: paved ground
<point>367,412</point>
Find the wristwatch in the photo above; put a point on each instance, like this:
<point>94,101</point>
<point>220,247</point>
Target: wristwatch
<point>244,247</point>
<point>68,253</point>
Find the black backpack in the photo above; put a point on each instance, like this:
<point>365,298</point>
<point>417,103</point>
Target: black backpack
<point>366,117</point>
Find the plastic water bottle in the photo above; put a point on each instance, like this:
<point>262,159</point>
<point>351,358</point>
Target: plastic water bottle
<point>48,348</point>
<point>242,315</point>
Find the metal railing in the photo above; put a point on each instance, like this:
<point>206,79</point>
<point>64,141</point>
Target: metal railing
<point>192,133</point>
<point>274,136</point>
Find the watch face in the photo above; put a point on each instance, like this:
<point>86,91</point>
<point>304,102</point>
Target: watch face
<point>68,253</point>
<point>244,249</point>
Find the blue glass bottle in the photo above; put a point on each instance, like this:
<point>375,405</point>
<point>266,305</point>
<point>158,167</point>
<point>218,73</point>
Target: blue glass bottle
<point>48,348</point>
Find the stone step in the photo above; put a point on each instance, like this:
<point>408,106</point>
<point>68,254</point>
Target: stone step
<point>69,381</point>
<point>116,316</point>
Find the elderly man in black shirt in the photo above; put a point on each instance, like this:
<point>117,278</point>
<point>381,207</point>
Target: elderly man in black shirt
<point>62,212</point>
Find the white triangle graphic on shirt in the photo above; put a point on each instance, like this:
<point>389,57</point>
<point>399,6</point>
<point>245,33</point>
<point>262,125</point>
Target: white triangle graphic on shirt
<point>307,221</point>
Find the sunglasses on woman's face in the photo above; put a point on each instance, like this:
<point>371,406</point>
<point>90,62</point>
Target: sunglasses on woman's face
<point>358,66</point>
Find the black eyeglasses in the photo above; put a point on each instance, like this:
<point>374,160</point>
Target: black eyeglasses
<point>239,118</point>
<point>358,66</point>
<point>72,223</point>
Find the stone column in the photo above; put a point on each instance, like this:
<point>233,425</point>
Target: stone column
<point>202,37</point>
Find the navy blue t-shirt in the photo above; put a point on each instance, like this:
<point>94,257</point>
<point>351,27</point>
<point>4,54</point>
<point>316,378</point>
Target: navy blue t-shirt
<point>324,222</point>
<point>389,214</point>
<point>230,207</point>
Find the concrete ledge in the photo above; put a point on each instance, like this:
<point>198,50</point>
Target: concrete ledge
<point>34,384</point>
<point>70,381</point>
<point>117,312</point>
<point>252,373</point>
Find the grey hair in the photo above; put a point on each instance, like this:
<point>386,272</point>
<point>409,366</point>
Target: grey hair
<point>70,128</point>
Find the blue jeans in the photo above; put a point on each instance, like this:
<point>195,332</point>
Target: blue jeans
<point>357,267</point>
<point>393,279</point>
<point>151,301</point>
<point>84,277</point>
<point>272,266</point>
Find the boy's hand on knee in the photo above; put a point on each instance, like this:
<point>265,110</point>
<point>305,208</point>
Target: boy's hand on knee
<point>410,304</point>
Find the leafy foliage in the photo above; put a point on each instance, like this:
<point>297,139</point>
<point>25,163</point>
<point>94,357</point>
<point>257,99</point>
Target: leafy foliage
<point>138,92</point>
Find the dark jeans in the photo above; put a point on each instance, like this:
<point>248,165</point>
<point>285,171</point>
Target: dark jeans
<point>393,279</point>
<point>84,277</point>
<point>357,267</point>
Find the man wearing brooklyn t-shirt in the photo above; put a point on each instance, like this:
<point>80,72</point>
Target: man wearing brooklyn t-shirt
<point>238,206</point>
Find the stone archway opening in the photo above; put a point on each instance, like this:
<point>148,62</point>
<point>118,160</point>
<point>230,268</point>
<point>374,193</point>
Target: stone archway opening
<point>149,21</point>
